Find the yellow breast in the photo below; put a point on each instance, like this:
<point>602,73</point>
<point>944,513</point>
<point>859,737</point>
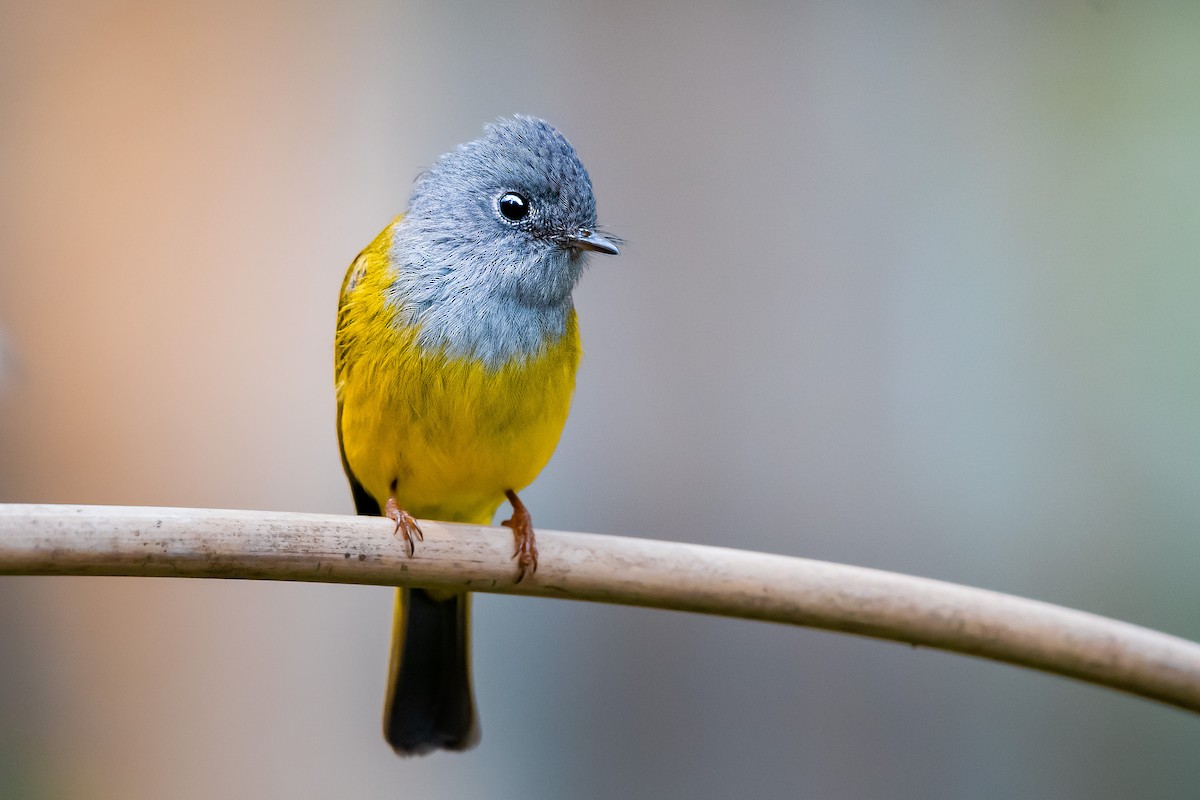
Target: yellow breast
<point>445,436</point>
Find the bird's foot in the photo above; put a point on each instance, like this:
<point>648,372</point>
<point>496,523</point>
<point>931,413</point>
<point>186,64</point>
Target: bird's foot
<point>406,527</point>
<point>525,550</point>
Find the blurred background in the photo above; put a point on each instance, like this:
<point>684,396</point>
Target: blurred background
<point>911,286</point>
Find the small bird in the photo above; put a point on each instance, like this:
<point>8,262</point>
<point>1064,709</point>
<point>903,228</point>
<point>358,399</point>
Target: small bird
<point>455,358</point>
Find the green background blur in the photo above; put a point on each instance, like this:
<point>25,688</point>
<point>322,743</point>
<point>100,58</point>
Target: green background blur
<point>912,286</point>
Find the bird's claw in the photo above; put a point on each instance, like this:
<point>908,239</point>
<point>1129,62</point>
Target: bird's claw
<point>407,528</point>
<point>525,545</point>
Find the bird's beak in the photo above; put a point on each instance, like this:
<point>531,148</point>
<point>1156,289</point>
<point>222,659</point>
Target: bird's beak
<point>588,239</point>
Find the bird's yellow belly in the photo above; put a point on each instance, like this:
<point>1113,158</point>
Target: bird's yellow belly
<point>447,437</point>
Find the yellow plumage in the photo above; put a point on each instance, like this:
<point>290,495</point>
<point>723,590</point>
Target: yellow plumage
<point>452,434</point>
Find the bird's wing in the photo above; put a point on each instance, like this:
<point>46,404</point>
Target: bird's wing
<point>364,503</point>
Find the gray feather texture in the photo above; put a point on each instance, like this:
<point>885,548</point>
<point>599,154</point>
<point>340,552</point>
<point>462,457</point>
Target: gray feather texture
<point>479,285</point>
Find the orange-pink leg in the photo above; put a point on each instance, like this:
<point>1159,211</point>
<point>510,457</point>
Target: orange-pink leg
<point>406,527</point>
<point>521,523</point>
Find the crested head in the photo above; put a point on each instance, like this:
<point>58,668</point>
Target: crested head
<point>497,231</point>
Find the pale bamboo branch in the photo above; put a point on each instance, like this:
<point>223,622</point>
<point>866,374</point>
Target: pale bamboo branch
<point>203,543</point>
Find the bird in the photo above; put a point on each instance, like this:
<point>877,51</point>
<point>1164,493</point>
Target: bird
<point>455,356</point>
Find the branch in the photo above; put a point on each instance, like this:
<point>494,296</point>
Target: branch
<point>203,543</point>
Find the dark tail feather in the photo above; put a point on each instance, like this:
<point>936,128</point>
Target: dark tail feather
<point>429,703</point>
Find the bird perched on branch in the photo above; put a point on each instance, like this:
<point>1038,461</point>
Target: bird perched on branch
<point>455,359</point>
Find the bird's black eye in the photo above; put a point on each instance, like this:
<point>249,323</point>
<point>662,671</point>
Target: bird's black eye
<point>514,207</point>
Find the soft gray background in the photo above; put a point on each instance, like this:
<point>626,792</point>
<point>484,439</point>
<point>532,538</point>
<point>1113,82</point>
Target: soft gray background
<point>912,286</point>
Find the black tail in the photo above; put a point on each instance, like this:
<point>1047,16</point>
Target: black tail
<point>429,703</point>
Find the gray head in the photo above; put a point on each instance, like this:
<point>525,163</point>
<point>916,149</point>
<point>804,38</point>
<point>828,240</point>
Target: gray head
<point>496,236</point>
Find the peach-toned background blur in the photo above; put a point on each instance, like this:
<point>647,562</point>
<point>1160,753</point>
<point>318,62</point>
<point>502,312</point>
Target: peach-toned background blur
<point>910,286</point>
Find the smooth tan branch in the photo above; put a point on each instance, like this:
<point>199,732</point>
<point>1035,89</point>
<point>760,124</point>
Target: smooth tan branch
<point>205,543</point>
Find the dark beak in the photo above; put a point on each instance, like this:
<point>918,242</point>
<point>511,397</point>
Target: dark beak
<point>588,239</point>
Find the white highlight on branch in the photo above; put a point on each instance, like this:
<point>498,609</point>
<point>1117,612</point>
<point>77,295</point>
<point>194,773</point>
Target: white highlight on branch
<point>204,543</point>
